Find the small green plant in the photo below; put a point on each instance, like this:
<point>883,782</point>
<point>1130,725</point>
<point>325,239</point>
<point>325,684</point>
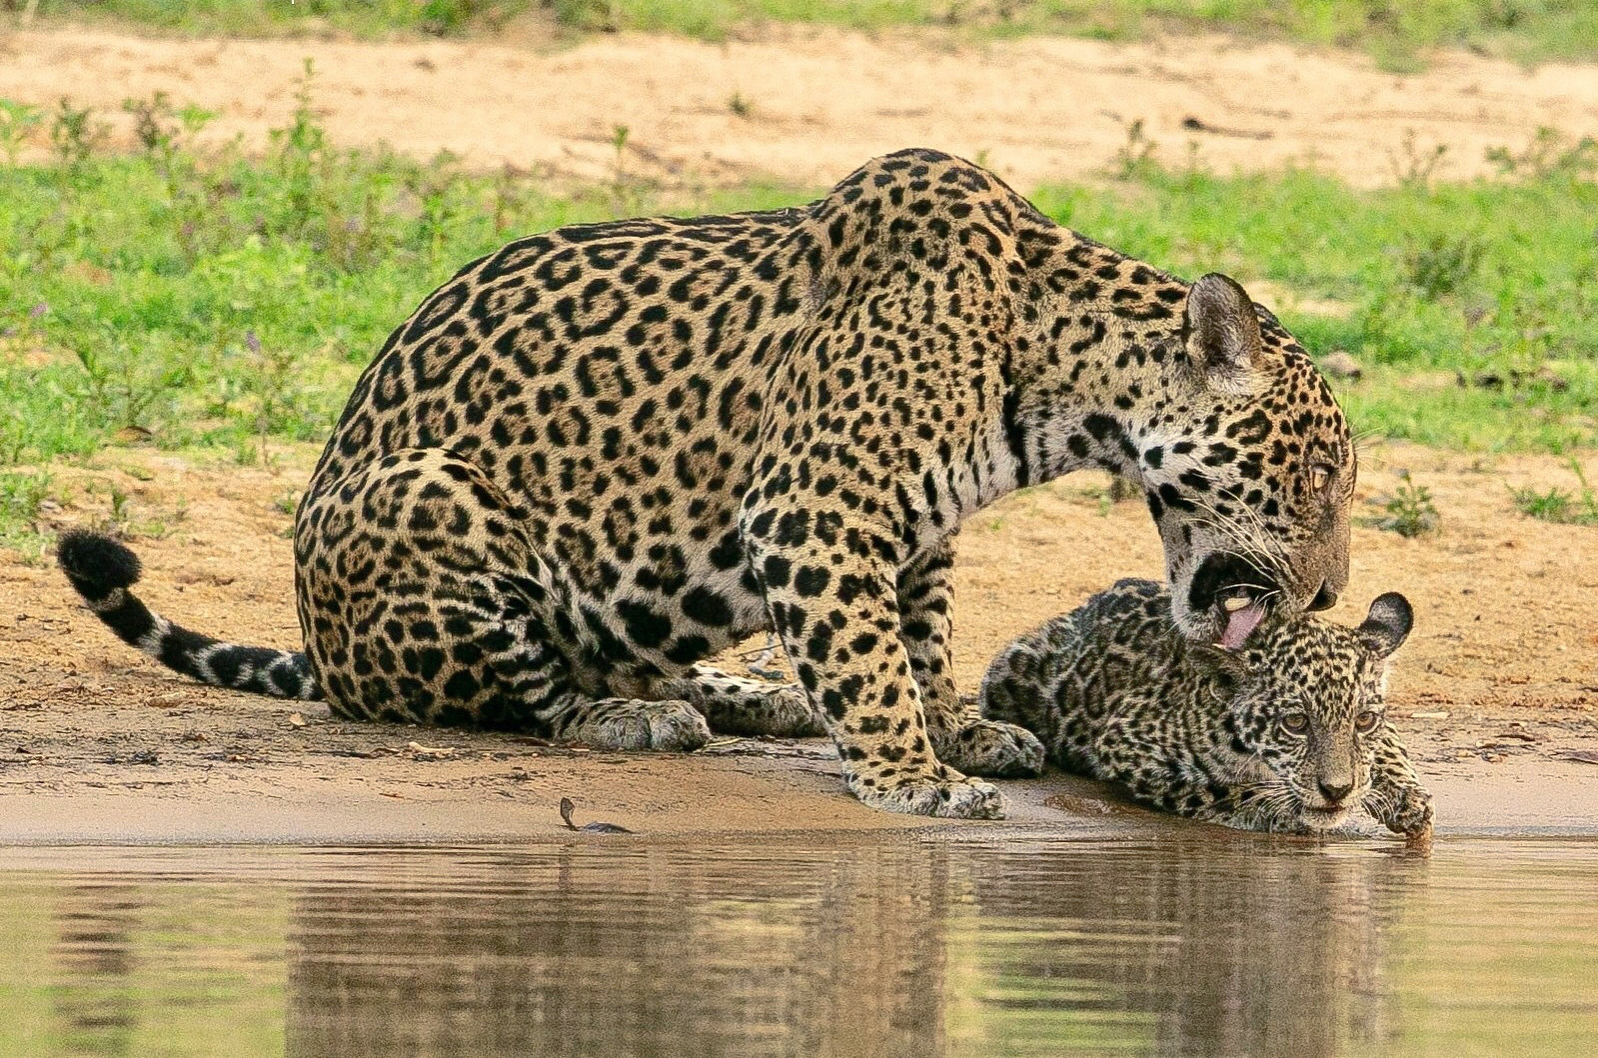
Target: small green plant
<point>625,191</point>
<point>433,185</point>
<point>22,494</point>
<point>603,16</point>
<point>119,508</point>
<point>510,197</point>
<point>75,134</point>
<point>17,120</point>
<point>301,153</point>
<point>740,105</point>
<point>152,124</point>
<point>1134,159</point>
<point>1414,167</point>
<point>123,387</point>
<point>1558,505</point>
<point>272,370</point>
<point>618,144</point>
<point>162,128</point>
<point>22,498</point>
<point>1549,153</point>
<point>1409,511</point>
<point>1441,265</point>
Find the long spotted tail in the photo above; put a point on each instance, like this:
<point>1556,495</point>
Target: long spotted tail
<point>103,570</point>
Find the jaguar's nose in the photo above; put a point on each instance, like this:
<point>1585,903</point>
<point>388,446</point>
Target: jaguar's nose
<point>1335,792</point>
<point>1324,599</point>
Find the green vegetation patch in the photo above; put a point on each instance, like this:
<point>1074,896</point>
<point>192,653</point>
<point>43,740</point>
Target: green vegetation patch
<point>1558,505</point>
<point>1473,307</point>
<point>264,18</point>
<point>208,299</point>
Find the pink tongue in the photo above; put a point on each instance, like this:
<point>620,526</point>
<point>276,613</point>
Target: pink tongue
<point>1239,623</point>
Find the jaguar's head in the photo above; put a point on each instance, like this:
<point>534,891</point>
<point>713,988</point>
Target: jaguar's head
<point>1307,699</point>
<point>1248,468</point>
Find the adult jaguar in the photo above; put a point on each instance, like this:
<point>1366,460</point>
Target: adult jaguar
<point>1287,733</point>
<point>599,455</point>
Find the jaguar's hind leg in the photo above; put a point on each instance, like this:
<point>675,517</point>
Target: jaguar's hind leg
<point>423,602</point>
<point>735,705</point>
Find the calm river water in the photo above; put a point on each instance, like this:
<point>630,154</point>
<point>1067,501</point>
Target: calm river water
<point>805,945</point>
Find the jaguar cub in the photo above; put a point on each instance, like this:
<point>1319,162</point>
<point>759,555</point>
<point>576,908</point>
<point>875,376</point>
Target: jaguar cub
<point>1287,733</point>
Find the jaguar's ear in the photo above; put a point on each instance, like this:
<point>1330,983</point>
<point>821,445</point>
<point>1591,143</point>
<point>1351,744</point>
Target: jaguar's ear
<point>1388,624</point>
<point>1221,331</point>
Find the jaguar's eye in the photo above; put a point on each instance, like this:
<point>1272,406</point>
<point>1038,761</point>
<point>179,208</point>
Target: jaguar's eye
<point>1320,476</point>
<point>1295,723</point>
<point>1366,722</point>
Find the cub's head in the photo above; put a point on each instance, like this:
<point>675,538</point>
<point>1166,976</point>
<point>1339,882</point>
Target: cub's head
<point>1248,469</point>
<point>1306,698</point>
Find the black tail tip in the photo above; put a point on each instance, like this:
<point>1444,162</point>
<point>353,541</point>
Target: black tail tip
<point>95,563</point>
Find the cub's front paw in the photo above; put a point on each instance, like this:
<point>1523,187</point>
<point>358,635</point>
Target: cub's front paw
<point>993,748</point>
<point>1410,814</point>
<point>949,797</point>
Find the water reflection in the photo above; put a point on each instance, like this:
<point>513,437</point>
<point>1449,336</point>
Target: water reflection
<point>1223,947</point>
<point>93,926</point>
<point>632,951</point>
<point>1190,944</point>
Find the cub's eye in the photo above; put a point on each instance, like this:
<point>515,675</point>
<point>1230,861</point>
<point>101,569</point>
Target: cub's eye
<point>1366,722</point>
<point>1295,723</point>
<point>1320,476</point>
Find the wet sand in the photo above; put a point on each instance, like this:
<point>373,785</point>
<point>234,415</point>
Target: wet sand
<point>732,793</point>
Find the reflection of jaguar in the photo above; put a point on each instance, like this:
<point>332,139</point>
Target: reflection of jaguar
<point>1289,732</point>
<point>598,456</point>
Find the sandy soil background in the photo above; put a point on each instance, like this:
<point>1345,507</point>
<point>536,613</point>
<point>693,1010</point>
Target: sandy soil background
<point>819,102</point>
<point>1497,691</point>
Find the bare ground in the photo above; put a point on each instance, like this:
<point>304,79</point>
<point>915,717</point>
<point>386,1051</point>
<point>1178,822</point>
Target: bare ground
<point>816,103</point>
<point>1497,691</point>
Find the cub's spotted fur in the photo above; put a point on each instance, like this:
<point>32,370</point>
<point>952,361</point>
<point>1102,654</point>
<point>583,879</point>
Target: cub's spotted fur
<point>600,455</point>
<point>1288,733</point>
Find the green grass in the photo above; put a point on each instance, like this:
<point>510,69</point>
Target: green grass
<point>1434,286</point>
<point>226,303</point>
<point>264,18</point>
<point>1397,32</point>
<point>1559,505</point>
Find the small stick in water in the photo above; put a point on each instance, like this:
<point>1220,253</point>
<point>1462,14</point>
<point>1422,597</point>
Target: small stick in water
<point>566,807</point>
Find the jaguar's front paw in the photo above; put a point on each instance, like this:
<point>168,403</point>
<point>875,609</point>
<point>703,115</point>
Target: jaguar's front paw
<point>952,797</point>
<point>789,713</point>
<point>624,724</point>
<point>993,748</point>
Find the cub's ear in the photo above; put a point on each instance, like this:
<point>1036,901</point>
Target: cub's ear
<point>1388,624</point>
<point>1228,668</point>
<point>1221,331</point>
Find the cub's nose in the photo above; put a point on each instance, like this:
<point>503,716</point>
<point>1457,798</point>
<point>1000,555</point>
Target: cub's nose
<point>1324,599</point>
<point>1335,792</point>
